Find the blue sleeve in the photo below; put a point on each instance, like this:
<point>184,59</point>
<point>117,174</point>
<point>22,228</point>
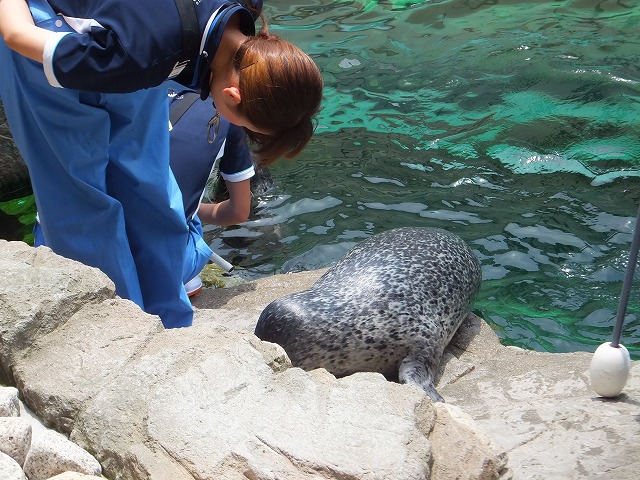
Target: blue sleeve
<point>116,58</point>
<point>236,164</point>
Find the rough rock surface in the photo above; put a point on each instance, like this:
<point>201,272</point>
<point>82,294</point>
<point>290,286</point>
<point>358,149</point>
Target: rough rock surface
<point>213,401</point>
<point>52,454</point>
<point>15,438</point>
<point>537,408</point>
<point>14,175</point>
<point>28,448</point>
<point>10,469</point>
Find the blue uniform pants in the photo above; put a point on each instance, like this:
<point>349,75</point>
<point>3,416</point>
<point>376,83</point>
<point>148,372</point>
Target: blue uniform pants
<point>99,165</point>
<point>197,255</point>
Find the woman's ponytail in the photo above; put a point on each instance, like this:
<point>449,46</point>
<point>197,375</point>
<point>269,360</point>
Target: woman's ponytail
<point>281,90</point>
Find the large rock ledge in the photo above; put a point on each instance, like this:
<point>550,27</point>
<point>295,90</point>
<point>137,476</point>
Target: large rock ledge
<point>214,402</point>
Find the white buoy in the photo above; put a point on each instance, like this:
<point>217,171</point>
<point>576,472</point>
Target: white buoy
<point>609,369</point>
<point>611,363</point>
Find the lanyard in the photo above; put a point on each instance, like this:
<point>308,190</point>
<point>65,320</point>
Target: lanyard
<point>41,10</point>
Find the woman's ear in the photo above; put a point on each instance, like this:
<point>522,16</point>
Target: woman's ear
<point>233,93</point>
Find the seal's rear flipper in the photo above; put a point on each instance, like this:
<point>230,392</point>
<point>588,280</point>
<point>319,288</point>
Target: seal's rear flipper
<point>418,371</point>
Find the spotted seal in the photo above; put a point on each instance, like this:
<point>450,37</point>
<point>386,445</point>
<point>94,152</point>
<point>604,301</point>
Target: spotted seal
<point>390,305</point>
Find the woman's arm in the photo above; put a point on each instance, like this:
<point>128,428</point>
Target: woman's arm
<point>229,212</point>
<point>86,55</point>
<point>18,30</point>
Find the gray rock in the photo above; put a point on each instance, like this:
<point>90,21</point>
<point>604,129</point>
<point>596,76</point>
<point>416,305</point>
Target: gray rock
<point>539,409</point>
<point>39,292</point>
<point>52,453</point>
<point>9,468</point>
<point>15,438</point>
<point>462,450</point>
<point>9,402</point>
<point>212,401</point>
<point>73,476</point>
<point>65,368</point>
<point>203,402</point>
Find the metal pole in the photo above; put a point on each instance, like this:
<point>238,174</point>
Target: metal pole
<point>626,286</point>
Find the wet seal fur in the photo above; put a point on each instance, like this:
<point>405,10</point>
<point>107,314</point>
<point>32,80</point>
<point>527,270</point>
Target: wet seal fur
<point>390,305</point>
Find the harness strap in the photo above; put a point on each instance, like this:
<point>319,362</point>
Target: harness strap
<point>40,10</point>
<point>45,17</point>
<point>180,107</point>
<point>190,29</point>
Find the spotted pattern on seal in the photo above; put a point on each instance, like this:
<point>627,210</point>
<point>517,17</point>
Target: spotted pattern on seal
<point>390,305</point>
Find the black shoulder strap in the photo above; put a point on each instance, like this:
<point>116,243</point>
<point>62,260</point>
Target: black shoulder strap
<point>179,107</point>
<point>190,29</point>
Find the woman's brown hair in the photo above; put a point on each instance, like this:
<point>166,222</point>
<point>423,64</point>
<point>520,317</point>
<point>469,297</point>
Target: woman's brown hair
<point>281,89</point>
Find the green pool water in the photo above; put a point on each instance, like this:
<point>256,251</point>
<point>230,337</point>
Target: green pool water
<point>513,124</point>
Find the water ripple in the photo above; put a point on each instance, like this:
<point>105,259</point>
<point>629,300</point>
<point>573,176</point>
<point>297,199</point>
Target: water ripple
<point>513,124</point>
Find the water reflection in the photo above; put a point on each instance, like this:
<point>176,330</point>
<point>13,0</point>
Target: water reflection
<point>513,124</point>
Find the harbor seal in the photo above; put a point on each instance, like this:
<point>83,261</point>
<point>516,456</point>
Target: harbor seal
<point>390,305</point>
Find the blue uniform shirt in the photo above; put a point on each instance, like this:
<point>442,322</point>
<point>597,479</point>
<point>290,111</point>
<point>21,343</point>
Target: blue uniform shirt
<point>121,46</point>
<point>193,159</point>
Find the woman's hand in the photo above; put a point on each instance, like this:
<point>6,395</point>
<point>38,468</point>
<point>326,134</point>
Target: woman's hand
<point>19,32</point>
<point>229,212</point>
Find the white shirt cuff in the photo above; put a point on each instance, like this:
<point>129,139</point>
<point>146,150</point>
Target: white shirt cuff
<point>240,176</point>
<point>47,60</point>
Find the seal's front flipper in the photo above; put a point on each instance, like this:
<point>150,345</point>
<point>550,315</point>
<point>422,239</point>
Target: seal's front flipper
<point>418,371</point>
